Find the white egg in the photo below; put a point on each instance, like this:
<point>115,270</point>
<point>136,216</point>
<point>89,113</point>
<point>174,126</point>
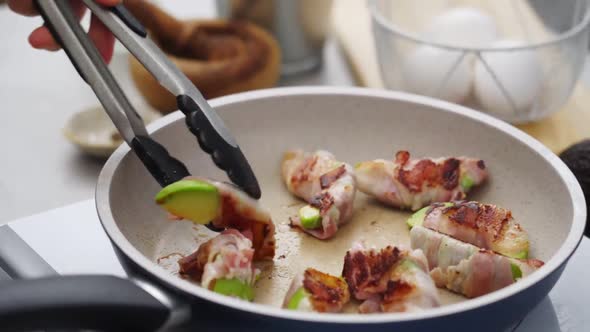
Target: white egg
<point>425,72</point>
<point>462,27</point>
<point>519,72</point>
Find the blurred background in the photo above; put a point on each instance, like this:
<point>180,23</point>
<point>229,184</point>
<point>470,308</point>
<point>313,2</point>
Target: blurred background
<point>524,62</point>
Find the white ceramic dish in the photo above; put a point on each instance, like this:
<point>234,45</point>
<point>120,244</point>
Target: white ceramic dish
<point>93,133</point>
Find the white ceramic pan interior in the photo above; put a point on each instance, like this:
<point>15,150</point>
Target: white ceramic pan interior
<point>356,125</point>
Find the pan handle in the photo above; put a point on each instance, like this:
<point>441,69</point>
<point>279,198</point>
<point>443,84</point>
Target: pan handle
<point>18,259</point>
<point>96,302</point>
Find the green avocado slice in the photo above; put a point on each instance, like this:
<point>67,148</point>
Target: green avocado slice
<point>417,218</point>
<point>516,271</point>
<point>234,287</point>
<point>296,299</point>
<point>408,264</point>
<point>521,255</point>
<point>194,200</point>
<point>466,183</point>
<point>310,217</point>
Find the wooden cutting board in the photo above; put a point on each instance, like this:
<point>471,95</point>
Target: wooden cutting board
<point>352,25</point>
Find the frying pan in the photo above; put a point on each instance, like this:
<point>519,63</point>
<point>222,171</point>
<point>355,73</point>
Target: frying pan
<point>355,124</point>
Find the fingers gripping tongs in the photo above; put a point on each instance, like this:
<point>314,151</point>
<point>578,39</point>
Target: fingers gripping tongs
<point>212,135</point>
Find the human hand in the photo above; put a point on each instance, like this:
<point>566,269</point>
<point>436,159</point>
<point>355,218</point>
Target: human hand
<point>41,38</point>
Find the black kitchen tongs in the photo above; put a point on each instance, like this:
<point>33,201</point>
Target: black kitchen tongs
<point>212,135</point>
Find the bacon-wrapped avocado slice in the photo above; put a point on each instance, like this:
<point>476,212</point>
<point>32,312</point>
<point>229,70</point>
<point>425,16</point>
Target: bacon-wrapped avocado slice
<point>225,206</point>
<point>317,291</point>
<point>326,184</point>
<point>223,265</point>
<point>389,280</point>
<point>414,183</point>
<point>466,269</point>
<point>486,226</point>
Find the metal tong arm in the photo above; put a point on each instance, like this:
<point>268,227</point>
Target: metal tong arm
<point>212,135</point>
<point>201,119</point>
<point>64,26</point>
<point>156,62</point>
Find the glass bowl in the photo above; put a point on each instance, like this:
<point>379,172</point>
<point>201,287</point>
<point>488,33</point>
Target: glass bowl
<point>514,59</point>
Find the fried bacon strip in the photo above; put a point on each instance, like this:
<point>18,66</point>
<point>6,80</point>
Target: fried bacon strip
<point>415,183</point>
<point>389,280</point>
<point>317,291</point>
<point>327,184</point>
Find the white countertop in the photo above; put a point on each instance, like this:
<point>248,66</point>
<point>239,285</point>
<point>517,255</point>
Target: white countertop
<point>77,226</point>
<point>39,91</point>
